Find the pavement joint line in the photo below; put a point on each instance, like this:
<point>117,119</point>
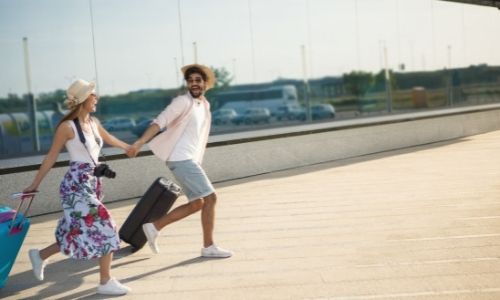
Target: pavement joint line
<point>411,295</point>
<point>449,237</point>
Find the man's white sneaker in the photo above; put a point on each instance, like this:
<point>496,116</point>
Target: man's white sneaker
<point>37,264</point>
<point>214,251</point>
<point>152,235</point>
<point>113,287</point>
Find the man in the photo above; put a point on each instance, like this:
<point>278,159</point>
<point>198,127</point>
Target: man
<point>182,145</point>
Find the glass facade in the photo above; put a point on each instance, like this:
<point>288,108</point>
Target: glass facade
<point>278,63</point>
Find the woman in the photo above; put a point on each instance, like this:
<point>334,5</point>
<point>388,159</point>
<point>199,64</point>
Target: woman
<point>86,229</point>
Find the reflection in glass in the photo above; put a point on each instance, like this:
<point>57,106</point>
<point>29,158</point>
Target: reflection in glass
<point>370,58</point>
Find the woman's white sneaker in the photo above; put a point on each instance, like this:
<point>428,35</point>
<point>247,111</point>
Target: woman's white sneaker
<point>37,264</point>
<point>113,287</point>
<point>214,251</point>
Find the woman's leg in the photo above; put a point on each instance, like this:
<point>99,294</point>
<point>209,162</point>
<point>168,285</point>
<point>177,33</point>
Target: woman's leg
<point>49,251</point>
<point>108,285</point>
<point>105,267</point>
<point>38,259</point>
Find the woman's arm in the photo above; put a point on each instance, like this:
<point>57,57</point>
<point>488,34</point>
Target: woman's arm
<point>152,130</point>
<point>109,138</point>
<point>63,133</point>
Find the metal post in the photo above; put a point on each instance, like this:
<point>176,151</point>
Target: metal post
<point>306,83</point>
<point>234,70</point>
<point>433,35</point>
<point>309,43</point>
<point>358,55</point>
<point>449,56</point>
<point>180,31</point>
<point>388,88</point>
<point>464,36</point>
<point>195,53</point>
<point>93,45</point>
<point>251,40</point>
<point>31,99</point>
<point>398,37</point>
<point>449,81</point>
<point>176,72</point>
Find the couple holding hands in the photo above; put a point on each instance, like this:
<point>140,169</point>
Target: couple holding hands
<point>86,230</point>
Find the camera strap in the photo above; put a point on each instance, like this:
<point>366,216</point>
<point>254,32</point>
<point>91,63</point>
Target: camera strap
<point>82,137</point>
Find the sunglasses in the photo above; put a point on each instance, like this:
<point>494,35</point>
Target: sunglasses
<point>195,80</point>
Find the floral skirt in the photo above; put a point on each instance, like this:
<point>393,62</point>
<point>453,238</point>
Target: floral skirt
<point>86,229</point>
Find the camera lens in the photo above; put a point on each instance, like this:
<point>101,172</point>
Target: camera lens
<point>109,173</point>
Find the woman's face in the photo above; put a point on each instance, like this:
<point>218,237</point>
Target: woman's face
<point>90,104</point>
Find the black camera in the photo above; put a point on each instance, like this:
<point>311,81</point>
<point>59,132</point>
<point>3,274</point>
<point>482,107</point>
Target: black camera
<point>104,170</point>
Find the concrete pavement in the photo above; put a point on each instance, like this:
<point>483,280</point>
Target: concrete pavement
<point>417,223</point>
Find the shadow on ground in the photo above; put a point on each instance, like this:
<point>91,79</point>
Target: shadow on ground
<point>66,275</point>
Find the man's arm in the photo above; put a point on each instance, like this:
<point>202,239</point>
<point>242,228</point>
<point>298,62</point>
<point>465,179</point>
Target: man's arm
<point>152,130</point>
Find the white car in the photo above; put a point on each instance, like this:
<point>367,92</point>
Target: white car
<point>119,124</point>
<point>223,116</point>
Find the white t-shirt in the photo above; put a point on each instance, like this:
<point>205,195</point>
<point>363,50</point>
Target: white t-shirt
<point>189,143</point>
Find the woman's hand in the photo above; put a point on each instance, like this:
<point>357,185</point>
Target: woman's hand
<point>133,149</point>
<point>32,188</point>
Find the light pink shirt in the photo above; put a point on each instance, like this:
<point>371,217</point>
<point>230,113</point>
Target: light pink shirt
<point>175,118</point>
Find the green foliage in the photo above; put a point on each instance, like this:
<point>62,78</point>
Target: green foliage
<point>429,80</point>
<point>358,87</point>
<point>357,83</point>
<point>12,104</point>
<point>135,102</point>
<point>223,79</point>
<point>223,83</point>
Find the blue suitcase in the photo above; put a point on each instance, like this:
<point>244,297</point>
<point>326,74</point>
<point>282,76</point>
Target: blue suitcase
<point>13,228</point>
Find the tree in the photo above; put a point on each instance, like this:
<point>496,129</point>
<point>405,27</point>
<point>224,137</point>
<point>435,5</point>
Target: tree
<point>223,83</point>
<point>357,83</point>
<point>224,79</point>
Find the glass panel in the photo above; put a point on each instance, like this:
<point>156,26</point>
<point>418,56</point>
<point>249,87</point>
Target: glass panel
<point>299,61</point>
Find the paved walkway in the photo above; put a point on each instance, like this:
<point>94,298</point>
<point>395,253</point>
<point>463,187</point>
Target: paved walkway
<point>419,223</point>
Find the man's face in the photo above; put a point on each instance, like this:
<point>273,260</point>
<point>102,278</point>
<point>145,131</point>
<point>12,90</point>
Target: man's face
<point>195,85</point>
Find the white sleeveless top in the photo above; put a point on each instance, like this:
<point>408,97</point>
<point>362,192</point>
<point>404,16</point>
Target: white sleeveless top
<point>76,149</point>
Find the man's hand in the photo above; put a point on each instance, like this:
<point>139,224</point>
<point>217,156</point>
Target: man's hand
<point>133,150</point>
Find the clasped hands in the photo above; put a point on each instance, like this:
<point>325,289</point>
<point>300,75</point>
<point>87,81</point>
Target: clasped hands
<point>133,149</point>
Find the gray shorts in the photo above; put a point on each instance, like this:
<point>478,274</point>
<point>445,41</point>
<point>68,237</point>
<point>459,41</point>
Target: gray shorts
<point>192,178</point>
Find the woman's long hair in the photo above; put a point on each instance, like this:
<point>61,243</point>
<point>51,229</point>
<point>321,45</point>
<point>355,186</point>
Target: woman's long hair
<point>72,114</point>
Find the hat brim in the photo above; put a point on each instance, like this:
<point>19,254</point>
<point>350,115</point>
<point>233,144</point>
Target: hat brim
<point>211,79</point>
<point>90,90</point>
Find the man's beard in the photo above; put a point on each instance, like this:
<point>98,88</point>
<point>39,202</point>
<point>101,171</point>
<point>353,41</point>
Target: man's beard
<point>196,93</point>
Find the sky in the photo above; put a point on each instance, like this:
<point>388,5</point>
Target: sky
<point>128,45</point>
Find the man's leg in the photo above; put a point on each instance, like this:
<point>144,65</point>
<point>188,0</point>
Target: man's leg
<point>208,219</point>
<point>151,230</point>
<point>207,222</point>
<point>179,213</point>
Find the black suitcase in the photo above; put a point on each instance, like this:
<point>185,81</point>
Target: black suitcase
<point>156,202</point>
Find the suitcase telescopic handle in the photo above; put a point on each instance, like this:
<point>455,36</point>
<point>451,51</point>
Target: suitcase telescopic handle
<point>14,228</point>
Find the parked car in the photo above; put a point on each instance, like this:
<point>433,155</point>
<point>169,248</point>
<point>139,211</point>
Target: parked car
<point>290,112</point>
<point>322,111</point>
<point>119,124</point>
<point>253,115</point>
<point>223,116</point>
